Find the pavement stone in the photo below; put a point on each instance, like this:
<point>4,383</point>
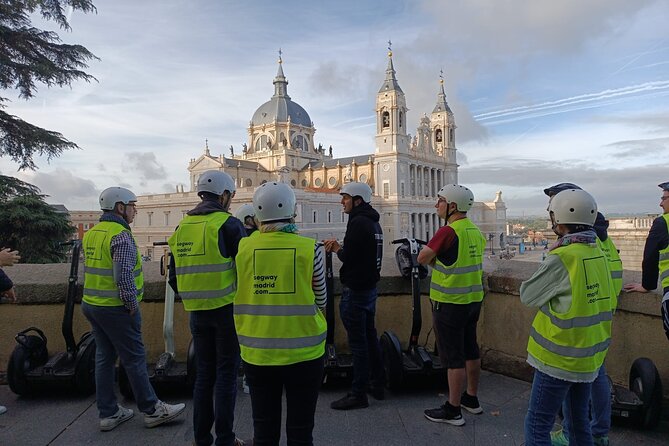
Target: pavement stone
<point>62,419</point>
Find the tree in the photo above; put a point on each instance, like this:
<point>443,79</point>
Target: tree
<point>29,224</point>
<point>29,55</point>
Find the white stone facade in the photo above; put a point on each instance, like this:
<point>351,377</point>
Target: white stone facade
<point>404,173</point>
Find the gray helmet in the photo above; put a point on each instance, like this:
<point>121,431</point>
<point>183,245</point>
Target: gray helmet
<point>112,195</point>
<point>245,210</point>
<point>460,195</point>
<point>274,201</point>
<point>355,189</point>
<point>215,182</point>
<point>664,186</point>
<point>550,191</point>
<point>573,206</point>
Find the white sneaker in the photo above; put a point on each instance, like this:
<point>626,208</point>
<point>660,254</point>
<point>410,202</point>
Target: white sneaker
<point>3,409</point>
<point>121,415</point>
<point>164,412</point>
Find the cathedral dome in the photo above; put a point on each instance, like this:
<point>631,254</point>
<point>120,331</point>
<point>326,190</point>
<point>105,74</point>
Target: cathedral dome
<point>281,108</point>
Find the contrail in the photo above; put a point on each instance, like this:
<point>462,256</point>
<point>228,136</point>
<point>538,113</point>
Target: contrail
<point>580,99</point>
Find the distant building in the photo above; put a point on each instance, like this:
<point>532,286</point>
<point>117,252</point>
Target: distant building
<point>404,173</point>
<point>83,221</point>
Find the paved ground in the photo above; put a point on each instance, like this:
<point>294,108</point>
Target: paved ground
<point>62,419</point>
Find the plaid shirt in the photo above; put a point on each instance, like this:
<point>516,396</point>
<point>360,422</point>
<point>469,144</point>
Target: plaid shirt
<point>124,253</point>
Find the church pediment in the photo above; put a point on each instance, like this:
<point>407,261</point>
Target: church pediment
<point>205,162</point>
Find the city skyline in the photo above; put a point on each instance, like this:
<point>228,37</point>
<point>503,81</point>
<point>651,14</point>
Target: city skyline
<point>541,92</point>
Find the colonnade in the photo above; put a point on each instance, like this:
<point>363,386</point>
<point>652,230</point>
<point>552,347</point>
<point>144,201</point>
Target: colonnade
<point>425,181</point>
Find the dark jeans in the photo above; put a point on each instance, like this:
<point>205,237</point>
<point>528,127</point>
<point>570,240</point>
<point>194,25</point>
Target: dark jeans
<point>302,382</point>
<point>358,309</point>
<point>217,364</point>
<point>600,409</point>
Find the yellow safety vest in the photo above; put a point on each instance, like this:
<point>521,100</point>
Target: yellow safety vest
<point>277,320</point>
<point>577,341</point>
<point>664,260</point>
<point>206,279</point>
<point>615,265</point>
<point>461,282</point>
<point>100,271</point>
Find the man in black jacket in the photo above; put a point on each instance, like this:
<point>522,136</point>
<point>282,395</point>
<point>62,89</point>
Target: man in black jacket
<point>361,263</point>
<point>656,258</point>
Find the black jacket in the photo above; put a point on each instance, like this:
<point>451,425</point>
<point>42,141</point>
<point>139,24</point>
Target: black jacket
<point>658,239</point>
<point>363,249</point>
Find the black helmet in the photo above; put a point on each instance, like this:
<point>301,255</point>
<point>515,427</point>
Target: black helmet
<point>559,188</point>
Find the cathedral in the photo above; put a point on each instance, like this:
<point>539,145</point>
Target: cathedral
<point>404,173</point>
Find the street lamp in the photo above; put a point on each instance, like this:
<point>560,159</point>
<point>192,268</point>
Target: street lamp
<point>491,240</point>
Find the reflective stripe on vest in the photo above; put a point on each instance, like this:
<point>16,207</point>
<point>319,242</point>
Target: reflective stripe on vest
<point>276,318</point>
<point>206,280</point>
<point>577,340</point>
<point>462,282</point>
<point>663,263</point>
<point>100,271</point>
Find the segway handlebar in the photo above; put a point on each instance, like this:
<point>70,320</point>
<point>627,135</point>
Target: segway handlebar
<point>408,240</point>
<point>159,243</point>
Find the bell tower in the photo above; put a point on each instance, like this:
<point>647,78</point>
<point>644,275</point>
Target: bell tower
<point>391,114</point>
<point>442,131</point>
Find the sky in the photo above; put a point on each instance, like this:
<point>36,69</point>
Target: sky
<point>543,92</point>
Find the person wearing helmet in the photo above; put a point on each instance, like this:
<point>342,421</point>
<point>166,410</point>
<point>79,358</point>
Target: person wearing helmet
<point>203,247</point>
<point>360,271</point>
<point>571,332</point>
<point>456,256</point>
<point>278,313</point>
<point>247,215</point>
<point>113,287</point>
<point>656,258</point>
<point>601,390</point>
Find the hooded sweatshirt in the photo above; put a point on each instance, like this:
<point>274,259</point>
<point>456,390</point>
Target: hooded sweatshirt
<point>363,249</point>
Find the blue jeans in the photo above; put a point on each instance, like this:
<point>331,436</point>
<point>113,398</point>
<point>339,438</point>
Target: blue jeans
<point>217,364</point>
<point>116,332</point>
<point>547,396</point>
<point>600,422</point>
<point>358,309</point>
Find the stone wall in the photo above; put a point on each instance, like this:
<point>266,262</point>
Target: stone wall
<point>503,328</point>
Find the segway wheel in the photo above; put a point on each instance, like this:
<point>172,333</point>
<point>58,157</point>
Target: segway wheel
<point>124,383</point>
<point>392,362</point>
<point>645,382</point>
<point>25,357</point>
<point>84,373</point>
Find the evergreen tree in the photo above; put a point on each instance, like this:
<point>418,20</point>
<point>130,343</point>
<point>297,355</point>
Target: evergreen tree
<point>28,56</point>
<point>29,224</point>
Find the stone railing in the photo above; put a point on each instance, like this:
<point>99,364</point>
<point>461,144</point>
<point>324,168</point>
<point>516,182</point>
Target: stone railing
<point>503,328</point>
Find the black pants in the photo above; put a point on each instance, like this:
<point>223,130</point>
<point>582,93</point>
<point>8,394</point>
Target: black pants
<point>302,382</point>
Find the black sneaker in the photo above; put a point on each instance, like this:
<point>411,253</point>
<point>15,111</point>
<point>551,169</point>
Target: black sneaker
<point>378,393</point>
<point>350,401</point>
<point>445,414</point>
<point>470,403</point>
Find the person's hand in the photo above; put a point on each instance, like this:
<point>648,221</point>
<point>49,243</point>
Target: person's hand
<point>331,245</point>
<point>132,312</point>
<point>8,257</point>
<point>9,294</point>
<point>629,287</point>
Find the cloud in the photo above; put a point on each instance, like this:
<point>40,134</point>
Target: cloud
<point>641,147</point>
<point>146,164</point>
<point>63,187</point>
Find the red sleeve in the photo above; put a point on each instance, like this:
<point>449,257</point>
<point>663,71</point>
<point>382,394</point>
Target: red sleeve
<point>442,240</point>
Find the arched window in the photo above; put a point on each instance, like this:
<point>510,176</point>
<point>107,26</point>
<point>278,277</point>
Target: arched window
<point>401,117</point>
<point>385,119</point>
<point>301,143</point>
<point>438,136</point>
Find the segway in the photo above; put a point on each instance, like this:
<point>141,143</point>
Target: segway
<point>166,371</point>
<point>416,359</point>
<point>30,365</point>
<point>336,364</point>
<point>642,402</point>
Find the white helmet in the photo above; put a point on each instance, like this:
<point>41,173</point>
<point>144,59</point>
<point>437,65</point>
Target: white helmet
<point>112,195</point>
<point>460,195</point>
<point>274,201</point>
<point>355,189</point>
<point>245,210</point>
<point>215,182</point>
<point>574,207</point>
